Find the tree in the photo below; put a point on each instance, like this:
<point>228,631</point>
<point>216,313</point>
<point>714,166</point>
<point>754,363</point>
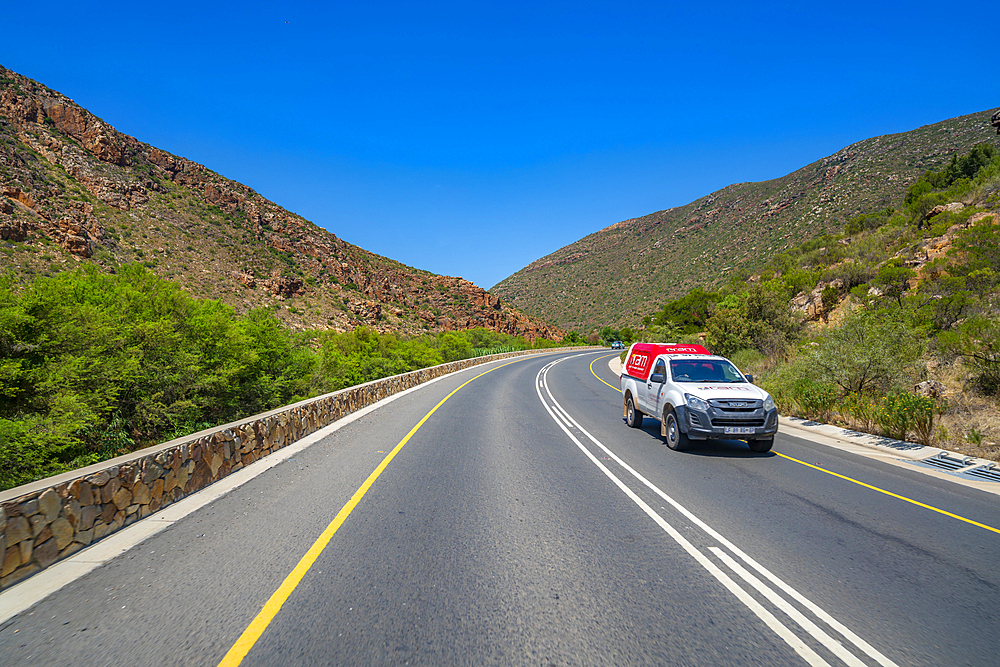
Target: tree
<point>871,351</point>
<point>966,166</point>
<point>759,318</point>
<point>609,335</point>
<point>572,338</point>
<point>453,346</point>
<point>977,340</point>
<point>729,330</point>
<point>690,312</point>
<point>893,279</point>
<point>830,298</point>
<point>662,333</point>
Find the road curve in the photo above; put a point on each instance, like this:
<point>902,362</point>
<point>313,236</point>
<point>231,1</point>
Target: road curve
<point>523,524</point>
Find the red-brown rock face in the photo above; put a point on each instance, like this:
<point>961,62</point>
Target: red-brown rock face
<point>144,189</point>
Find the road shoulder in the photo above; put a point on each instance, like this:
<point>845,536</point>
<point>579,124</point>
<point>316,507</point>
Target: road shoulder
<point>907,455</point>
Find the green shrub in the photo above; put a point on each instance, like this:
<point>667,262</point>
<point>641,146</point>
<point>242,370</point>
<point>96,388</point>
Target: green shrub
<point>976,248</point>
<point>892,416</point>
<point>867,221</point>
<point>96,364</point>
<point>830,297</point>
<point>800,280</point>
<point>924,410</point>
<point>453,346</point>
<point>689,313</point>
<point>892,280</point>
<point>941,222</point>
<point>758,318</point>
<point>852,272</point>
<point>862,409</point>
<point>747,360</point>
<point>660,333</point>
<point>901,412</point>
<point>815,400</point>
<point>781,382</point>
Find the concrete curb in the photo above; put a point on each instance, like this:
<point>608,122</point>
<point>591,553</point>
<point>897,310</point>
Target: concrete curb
<point>894,452</point>
<point>898,448</point>
<point>615,364</point>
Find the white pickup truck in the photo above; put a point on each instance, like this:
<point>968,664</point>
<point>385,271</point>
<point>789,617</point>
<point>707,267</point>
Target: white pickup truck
<point>696,396</point>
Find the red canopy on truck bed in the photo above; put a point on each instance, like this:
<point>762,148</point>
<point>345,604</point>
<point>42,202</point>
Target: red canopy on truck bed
<point>640,357</point>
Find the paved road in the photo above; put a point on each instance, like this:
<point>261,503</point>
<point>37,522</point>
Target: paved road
<point>524,524</point>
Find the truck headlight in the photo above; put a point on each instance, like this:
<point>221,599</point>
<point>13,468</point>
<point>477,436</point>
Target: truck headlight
<point>695,403</point>
<point>768,403</point>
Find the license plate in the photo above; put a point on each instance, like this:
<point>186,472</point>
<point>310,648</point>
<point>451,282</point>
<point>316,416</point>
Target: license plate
<point>739,430</point>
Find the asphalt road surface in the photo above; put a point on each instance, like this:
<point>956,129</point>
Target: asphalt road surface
<point>523,523</point>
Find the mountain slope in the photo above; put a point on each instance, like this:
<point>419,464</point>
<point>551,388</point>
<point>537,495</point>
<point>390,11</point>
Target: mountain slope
<point>618,274</point>
<point>72,189</point>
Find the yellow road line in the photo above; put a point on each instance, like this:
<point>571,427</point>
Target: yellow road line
<point>259,624</point>
<point>890,493</point>
<point>598,377</point>
<point>849,479</point>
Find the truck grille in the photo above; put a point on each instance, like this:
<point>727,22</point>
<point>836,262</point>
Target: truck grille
<point>735,412</point>
<point>736,406</point>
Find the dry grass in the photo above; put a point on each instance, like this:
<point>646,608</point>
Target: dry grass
<point>971,425</point>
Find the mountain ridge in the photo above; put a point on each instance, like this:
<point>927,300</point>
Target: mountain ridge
<point>74,189</point>
<point>628,269</point>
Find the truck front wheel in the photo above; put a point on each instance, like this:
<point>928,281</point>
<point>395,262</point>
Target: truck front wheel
<point>760,446</point>
<point>676,439</point>
<point>632,416</point>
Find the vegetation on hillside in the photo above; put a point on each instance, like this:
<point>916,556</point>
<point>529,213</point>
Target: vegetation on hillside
<point>845,325</point>
<point>618,274</point>
<point>75,190</point>
<point>94,365</point>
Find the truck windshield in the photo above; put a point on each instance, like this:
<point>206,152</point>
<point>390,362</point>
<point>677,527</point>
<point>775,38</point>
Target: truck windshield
<point>704,370</point>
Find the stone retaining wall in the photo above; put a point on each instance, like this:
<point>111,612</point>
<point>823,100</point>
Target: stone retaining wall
<point>45,521</point>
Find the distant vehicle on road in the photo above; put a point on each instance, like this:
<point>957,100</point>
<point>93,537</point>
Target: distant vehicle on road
<point>617,345</point>
<point>696,395</point>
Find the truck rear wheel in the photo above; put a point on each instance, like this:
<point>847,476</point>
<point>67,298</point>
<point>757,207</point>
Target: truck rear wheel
<point>632,416</point>
<point>677,440</point>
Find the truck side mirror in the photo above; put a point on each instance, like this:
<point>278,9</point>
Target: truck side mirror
<point>749,378</point>
<point>657,378</point>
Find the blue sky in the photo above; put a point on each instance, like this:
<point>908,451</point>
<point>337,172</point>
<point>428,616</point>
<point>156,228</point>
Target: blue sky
<point>471,138</point>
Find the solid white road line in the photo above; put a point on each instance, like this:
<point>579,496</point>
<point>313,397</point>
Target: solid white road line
<point>836,647</point>
<point>798,597</point>
<point>800,647</point>
<point>821,636</point>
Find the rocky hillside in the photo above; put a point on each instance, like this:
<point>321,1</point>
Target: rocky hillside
<point>617,275</point>
<point>73,189</point>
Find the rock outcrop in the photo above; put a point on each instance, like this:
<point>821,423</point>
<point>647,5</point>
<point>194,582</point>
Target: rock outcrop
<point>68,177</point>
<point>810,304</point>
